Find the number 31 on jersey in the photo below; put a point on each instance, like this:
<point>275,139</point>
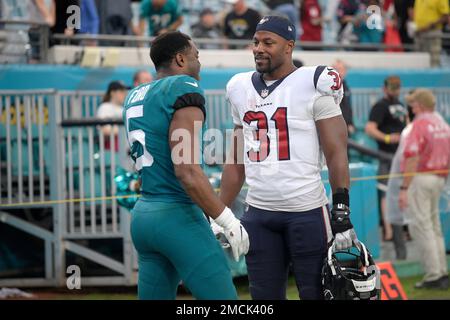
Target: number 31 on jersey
<point>261,134</point>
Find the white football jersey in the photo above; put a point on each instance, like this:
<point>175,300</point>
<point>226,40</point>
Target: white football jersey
<point>282,154</point>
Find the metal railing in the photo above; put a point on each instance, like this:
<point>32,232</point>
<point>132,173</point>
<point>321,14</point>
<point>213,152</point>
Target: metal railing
<point>74,177</point>
<point>225,42</point>
<point>23,41</point>
<point>53,154</point>
<point>16,45</point>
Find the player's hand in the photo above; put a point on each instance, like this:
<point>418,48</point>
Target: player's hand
<point>345,240</point>
<point>234,232</point>
<point>344,234</point>
<point>216,229</point>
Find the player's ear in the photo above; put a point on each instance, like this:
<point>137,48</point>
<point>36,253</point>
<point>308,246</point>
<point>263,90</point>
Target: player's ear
<point>290,46</point>
<point>179,59</point>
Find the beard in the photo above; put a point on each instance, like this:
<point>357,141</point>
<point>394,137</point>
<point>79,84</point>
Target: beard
<point>265,66</point>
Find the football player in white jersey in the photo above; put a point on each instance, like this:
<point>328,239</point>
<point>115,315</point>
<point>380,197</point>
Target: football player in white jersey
<point>285,120</point>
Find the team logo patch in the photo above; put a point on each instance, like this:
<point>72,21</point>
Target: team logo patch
<point>263,20</point>
<point>264,93</point>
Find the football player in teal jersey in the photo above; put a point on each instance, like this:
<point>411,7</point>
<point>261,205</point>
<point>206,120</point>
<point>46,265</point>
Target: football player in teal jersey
<point>169,230</point>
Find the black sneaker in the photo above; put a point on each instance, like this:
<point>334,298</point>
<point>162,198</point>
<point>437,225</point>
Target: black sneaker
<point>433,284</point>
<point>444,282</point>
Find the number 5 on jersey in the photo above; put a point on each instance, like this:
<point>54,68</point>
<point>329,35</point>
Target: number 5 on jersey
<point>136,139</point>
<point>281,125</point>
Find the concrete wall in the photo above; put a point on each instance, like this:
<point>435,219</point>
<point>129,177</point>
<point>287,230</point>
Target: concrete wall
<point>133,57</point>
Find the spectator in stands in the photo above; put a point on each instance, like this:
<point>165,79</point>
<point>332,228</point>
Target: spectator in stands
<point>161,16</point>
<point>89,20</point>
<point>41,11</point>
<point>369,28</point>
<point>446,41</point>
<point>207,27</point>
<point>404,14</point>
<point>61,19</point>
<point>394,215</point>
<point>311,18</point>
<point>112,108</point>
<point>346,14</point>
<point>115,18</point>
<point>330,25</point>
<point>141,77</point>
<point>346,103</point>
<point>429,16</point>
<point>45,10</point>
<point>285,8</point>
<point>241,22</point>
<point>14,43</point>
<point>387,119</point>
<point>427,151</point>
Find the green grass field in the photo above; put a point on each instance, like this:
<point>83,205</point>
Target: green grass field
<point>242,287</point>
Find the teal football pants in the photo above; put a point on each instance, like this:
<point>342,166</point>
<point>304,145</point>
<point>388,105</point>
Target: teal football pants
<point>175,242</point>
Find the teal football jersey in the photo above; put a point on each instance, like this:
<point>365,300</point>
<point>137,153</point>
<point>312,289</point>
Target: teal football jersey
<point>148,112</point>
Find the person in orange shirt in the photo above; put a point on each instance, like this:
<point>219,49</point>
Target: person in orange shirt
<point>427,152</point>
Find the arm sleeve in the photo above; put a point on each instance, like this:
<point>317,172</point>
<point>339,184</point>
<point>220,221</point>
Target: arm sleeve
<point>226,28</point>
<point>93,15</point>
<point>413,142</point>
<point>103,111</point>
<point>144,9</point>
<point>177,12</point>
<point>234,109</point>
<point>235,115</point>
<point>443,7</point>
<point>377,114</point>
<point>325,107</point>
<point>193,99</point>
<point>188,93</point>
<point>327,82</point>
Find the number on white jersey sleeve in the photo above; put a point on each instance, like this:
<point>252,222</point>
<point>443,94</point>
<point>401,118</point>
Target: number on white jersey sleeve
<point>329,83</point>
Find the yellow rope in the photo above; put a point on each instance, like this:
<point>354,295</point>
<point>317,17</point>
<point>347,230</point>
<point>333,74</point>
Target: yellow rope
<point>108,198</point>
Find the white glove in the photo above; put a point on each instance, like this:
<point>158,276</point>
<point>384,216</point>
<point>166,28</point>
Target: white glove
<point>216,229</point>
<point>220,235</point>
<point>234,232</point>
<point>344,240</point>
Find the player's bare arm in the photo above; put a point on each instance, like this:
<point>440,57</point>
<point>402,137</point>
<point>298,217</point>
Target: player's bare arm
<point>190,174</point>
<point>333,139</point>
<point>233,175</point>
<point>198,187</point>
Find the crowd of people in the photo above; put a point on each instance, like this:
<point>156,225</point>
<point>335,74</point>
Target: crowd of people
<point>368,22</point>
<point>416,137</point>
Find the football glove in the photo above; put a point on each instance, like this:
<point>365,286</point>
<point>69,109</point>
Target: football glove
<point>220,235</point>
<point>345,240</point>
<point>234,232</point>
<point>216,229</point>
<point>342,227</point>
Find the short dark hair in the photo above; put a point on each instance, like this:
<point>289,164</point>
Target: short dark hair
<point>164,47</point>
<point>392,81</point>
